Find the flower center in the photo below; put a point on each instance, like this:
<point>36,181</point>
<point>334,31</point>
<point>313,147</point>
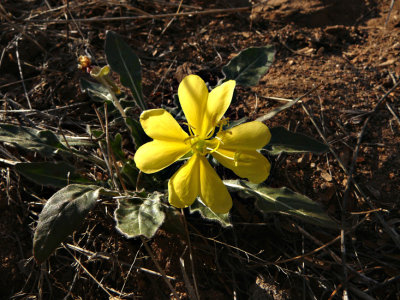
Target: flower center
<point>204,146</point>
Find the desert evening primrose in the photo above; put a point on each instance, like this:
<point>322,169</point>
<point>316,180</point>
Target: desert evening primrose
<point>235,148</point>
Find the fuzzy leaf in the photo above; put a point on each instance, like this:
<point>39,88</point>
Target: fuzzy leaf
<point>61,215</point>
<point>284,201</point>
<point>277,110</point>
<point>43,141</point>
<point>208,214</point>
<point>139,216</point>
<point>50,174</point>
<point>125,62</point>
<point>95,90</point>
<point>283,140</point>
<point>249,65</point>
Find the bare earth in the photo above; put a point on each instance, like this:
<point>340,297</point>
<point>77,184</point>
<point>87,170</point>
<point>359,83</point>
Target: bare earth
<point>349,48</point>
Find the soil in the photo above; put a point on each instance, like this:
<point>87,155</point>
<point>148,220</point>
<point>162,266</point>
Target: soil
<point>349,49</point>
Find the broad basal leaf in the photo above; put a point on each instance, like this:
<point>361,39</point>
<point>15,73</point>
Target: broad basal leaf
<point>139,216</point>
<point>208,214</point>
<point>43,141</point>
<point>282,200</point>
<point>125,62</point>
<point>50,174</point>
<point>249,65</point>
<point>61,215</point>
<point>283,140</point>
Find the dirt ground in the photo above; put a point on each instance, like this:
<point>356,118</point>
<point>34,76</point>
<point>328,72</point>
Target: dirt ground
<point>350,49</point>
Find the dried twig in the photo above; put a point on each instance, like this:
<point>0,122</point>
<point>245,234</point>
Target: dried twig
<point>390,108</point>
<point>143,17</point>
<point>190,255</point>
<point>22,75</point>
<point>106,256</point>
<point>87,272</point>
<point>161,270</point>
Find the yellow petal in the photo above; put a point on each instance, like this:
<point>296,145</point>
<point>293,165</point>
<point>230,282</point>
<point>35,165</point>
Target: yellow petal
<point>160,125</point>
<point>184,185</point>
<point>213,192</point>
<point>247,136</point>
<point>218,102</point>
<point>193,94</point>
<point>246,164</point>
<point>157,155</point>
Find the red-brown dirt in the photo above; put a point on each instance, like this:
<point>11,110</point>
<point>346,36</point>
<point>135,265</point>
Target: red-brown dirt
<point>350,49</point>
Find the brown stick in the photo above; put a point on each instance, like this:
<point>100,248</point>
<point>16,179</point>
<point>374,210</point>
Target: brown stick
<point>160,16</point>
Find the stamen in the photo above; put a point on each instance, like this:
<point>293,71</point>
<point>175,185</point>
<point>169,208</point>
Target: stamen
<point>191,137</point>
<point>236,158</point>
<point>222,123</point>
<point>190,127</point>
<point>210,134</point>
<point>227,157</point>
<point>216,148</point>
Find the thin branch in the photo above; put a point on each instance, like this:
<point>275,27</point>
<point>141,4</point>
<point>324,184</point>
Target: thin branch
<point>145,17</point>
<point>164,276</point>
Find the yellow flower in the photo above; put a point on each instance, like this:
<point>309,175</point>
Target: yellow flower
<point>235,148</point>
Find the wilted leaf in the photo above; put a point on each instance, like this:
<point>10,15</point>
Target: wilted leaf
<point>208,214</point>
<point>249,65</point>
<point>61,215</point>
<point>125,62</point>
<point>95,90</point>
<point>50,174</point>
<point>283,140</point>
<point>43,141</point>
<point>284,201</point>
<point>139,216</point>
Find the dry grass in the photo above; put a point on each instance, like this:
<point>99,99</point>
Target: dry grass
<point>356,112</point>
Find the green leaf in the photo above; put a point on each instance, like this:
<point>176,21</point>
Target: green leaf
<point>173,222</point>
<point>208,214</point>
<point>277,110</point>
<point>249,65</point>
<point>283,140</point>
<point>129,173</point>
<point>284,201</point>
<point>125,62</point>
<point>139,216</point>
<point>116,146</point>
<point>50,174</point>
<point>232,124</point>
<point>76,141</point>
<point>138,134</point>
<point>43,141</point>
<point>61,216</point>
<point>95,90</point>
